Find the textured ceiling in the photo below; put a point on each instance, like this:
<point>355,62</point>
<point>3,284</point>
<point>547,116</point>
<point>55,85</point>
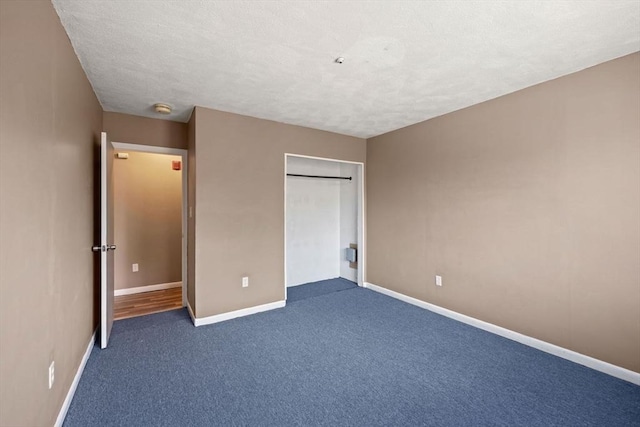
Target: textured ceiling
<point>405,62</point>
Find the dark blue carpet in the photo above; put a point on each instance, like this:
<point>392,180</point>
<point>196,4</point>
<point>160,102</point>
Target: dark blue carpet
<point>315,289</point>
<point>354,357</point>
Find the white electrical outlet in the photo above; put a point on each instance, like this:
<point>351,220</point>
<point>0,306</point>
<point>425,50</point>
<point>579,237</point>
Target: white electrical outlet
<point>52,374</point>
<point>245,282</point>
<point>438,280</point>
<point>134,268</point>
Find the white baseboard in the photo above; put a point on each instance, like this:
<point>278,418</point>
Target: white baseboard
<point>74,384</point>
<point>238,313</point>
<point>148,288</point>
<point>588,361</point>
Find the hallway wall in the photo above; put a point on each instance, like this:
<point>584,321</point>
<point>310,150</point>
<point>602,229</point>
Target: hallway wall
<point>147,220</point>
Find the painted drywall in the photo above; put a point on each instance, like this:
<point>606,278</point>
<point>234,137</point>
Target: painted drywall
<point>145,131</point>
<point>313,221</point>
<point>147,219</point>
<point>240,204</point>
<point>528,207</point>
<point>348,216</point>
<point>50,121</point>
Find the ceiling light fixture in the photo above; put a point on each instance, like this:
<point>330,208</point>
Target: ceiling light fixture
<point>162,108</point>
<point>339,60</point>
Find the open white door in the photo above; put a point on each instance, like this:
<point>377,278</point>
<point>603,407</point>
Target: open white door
<point>106,246</point>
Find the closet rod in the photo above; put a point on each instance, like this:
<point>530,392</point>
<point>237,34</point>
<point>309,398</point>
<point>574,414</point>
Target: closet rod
<point>320,176</point>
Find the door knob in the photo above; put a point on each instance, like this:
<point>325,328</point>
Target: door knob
<point>111,247</point>
<point>97,248</point>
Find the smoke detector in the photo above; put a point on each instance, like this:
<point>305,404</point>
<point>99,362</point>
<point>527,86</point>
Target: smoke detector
<point>162,108</point>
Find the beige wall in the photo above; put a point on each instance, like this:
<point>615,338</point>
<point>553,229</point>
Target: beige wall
<point>148,219</point>
<point>145,131</point>
<point>528,206</point>
<point>240,204</point>
<point>49,127</point>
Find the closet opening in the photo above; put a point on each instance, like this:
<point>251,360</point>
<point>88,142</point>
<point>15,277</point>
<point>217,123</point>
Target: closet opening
<point>324,226</point>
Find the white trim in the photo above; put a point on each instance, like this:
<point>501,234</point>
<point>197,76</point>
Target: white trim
<point>323,158</point>
<point>238,313</point>
<point>362,230</point>
<point>193,316</point>
<point>148,288</point>
<point>588,361</point>
<point>76,380</point>
<point>184,154</point>
<point>284,227</point>
<point>148,148</point>
<point>185,223</point>
<point>362,217</point>
<point>286,291</point>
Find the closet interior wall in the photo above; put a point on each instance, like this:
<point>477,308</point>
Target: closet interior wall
<point>321,220</point>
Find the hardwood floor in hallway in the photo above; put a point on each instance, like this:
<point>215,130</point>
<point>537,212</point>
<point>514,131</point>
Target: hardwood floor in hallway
<point>134,305</point>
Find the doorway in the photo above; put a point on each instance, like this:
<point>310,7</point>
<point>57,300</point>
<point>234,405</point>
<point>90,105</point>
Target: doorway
<point>150,220</point>
<point>324,226</point>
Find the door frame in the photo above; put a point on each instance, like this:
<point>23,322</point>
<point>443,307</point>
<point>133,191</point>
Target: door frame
<point>362,216</point>
<point>183,153</point>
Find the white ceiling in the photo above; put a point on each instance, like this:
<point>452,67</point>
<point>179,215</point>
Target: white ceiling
<point>405,61</point>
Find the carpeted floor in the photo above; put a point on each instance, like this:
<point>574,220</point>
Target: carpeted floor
<point>316,289</point>
<point>353,357</point>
